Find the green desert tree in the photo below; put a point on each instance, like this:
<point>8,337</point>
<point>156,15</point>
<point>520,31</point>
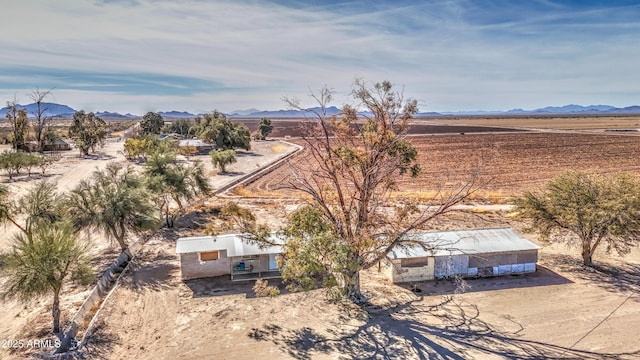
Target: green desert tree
<point>587,209</point>
<point>30,161</point>
<point>217,129</point>
<point>19,123</point>
<point>178,126</point>
<point>264,128</point>
<point>222,158</point>
<point>151,123</point>
<point>138,148</point>
<point>114,200</point>
<point>241,137</point>
<point>88,131</point>
<point>7,208</point>
<point>311,256</point>
<point>174,183</point>
<point>46,161</point>
<point>42,205</point>
<point>11,162</point>
<point>41,263</point>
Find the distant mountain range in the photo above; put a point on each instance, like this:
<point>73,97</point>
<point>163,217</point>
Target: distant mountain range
<point>115,115</point>
<point>52,109</point>
<point>48,109</point>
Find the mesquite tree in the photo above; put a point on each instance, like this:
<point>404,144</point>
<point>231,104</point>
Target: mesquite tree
<point>115,201</point>
<point>151,123</point>
<point>42,262</point>
<point>356,162</point>
<point>589,208</point>
<point>88,130</point>
<point>19,122</point>
<point>221,159</point>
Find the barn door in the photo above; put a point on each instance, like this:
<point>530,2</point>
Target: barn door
<point>447,266</point>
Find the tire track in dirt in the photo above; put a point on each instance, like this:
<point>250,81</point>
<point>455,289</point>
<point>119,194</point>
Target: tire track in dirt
<point>515,161</point>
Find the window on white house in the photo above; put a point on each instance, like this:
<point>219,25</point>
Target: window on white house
<point>414,262</point>
<point>209,255</point>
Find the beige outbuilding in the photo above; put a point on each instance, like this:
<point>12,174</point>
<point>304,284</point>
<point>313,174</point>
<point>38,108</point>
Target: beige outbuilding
<point>465,253</point>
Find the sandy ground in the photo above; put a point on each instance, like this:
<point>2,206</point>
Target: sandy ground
<point>32,320</point>
<point>29,319</point>
<point>67,173</point>
<point>561,311</point>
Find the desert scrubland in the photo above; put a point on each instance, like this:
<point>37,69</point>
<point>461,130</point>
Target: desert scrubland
<point>561,311</point>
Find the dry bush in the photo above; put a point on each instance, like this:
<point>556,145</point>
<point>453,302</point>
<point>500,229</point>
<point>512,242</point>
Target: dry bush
<point>240,190</point>
<point>262,289</point>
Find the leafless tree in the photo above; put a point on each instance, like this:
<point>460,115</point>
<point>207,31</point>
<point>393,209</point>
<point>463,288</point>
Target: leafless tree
<point>41,122</point>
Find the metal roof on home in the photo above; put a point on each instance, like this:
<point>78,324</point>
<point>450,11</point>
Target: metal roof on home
<point>233,243</point>
<point>476,241</point>
<point>193,142</point>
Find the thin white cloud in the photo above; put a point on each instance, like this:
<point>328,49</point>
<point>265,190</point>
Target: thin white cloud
<point>453,55</point>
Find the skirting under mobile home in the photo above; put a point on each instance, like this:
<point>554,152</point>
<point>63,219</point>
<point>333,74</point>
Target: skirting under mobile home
<point>466,253</point>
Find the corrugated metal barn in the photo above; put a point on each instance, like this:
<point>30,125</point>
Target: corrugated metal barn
<point>467,253</point>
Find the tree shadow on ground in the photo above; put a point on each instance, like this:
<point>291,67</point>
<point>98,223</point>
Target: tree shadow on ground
<point>222,286</point>
<point>151,272</point>
<point>22,177</point>
<point>231,173</point>
<point>99,343</point>
<point>98,156</point>
<point>542,277</point>
<point>623,277</point>
<point>101,261</point>
<point>247,153</point>
<point>170,235</point>
<point>448,330</point>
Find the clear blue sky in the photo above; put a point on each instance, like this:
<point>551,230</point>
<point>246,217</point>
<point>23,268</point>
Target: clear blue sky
<point>194,55</point>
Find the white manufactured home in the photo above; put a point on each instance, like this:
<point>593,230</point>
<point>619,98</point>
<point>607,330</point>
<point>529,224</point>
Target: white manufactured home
<point>442,254</point>
<point>209,256</point>
<point>466,253</point>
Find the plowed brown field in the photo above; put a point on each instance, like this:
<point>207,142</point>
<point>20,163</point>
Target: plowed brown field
<point>514,161</point>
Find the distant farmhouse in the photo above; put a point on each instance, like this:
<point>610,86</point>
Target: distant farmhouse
<point>201,147</point>
<point>467,253</point>
<point>55,145</point>
<point>171,136</point>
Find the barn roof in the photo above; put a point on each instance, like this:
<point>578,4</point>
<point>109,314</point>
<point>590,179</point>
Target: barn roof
<point>233,243</point>
<point>59,141</point>
<point>193,142</point>
<point>458,242</point>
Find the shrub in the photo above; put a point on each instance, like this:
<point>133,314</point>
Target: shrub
<point>262,289</point>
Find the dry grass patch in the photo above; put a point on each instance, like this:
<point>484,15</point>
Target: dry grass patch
<point>433,196</point>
